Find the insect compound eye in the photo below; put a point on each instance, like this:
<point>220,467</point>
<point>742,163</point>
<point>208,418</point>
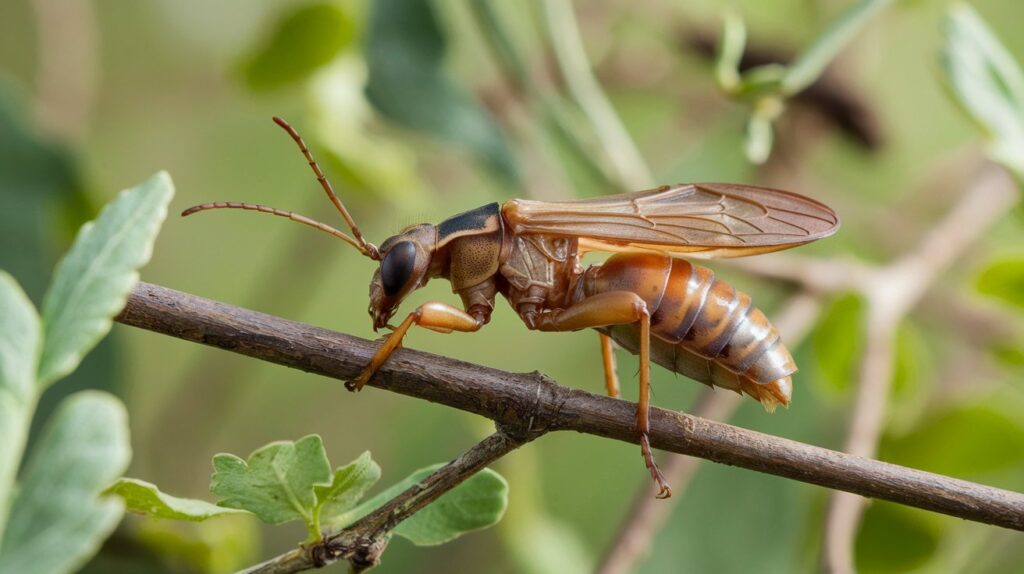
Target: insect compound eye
<point>397,266</point>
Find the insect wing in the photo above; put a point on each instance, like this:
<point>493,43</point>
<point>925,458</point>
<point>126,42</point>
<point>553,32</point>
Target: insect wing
<point>703,220</point>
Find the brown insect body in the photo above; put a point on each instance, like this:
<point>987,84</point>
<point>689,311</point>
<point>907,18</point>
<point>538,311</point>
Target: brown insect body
<point>701,327</point>
<point>661,307</point>
<point>705,329</point>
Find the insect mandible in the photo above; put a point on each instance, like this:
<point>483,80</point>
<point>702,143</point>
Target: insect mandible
<point>644,297</point>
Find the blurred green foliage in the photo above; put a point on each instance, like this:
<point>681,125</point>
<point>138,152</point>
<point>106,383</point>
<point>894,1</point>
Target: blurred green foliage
<point>305,39</point>
<point>987,82</point>
<point>167,93</point>
<point>1004,280</point>
<point>408,83</point>
<point>85,444</point>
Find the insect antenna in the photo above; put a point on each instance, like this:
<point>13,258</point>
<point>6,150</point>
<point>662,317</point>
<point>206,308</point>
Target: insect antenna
<point>281,213</point>
<point>364,246</point>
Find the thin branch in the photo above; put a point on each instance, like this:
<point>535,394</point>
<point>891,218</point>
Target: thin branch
<point>362,543</point>
<point>895,291</point>
<point>647,515</point>
<point>534,401</point>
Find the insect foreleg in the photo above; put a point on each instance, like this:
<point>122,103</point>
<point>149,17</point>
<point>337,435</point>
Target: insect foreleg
<point>433,315</point>
<point>616,308</point>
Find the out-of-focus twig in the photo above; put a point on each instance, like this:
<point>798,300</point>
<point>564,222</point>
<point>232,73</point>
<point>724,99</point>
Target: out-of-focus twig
<point>890,295</point>
<point>890,292</point>
<point>619,148</point>
<point>647,514</point>
<point>521,84</point>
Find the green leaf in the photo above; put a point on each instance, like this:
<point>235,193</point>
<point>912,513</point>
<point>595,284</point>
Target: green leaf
<point>1010,355</point>
<point>347,127</point>
<point>1004,280</point>
<point>809,66</point>
<point>20,340</point>
<point>221,546</point>
<point>895,538</point>
<point>967,441</point>
<point>276,483</point>
<point>145,498</point>
<point>347,488</point>
<point>92,282</point>
<point>408,84</point>
<point>57,520</point>
<point>304,40</point>
<point>837,340</point>
<point>477,503</point>
<point>986,82</point>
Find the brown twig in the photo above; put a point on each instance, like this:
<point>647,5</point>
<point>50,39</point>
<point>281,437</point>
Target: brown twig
<point>534,402</point>
<point>647,515</point>
<point>892,293</point>
<point>362,543</point>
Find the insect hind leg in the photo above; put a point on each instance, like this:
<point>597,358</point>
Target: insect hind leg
<point>616,308</point>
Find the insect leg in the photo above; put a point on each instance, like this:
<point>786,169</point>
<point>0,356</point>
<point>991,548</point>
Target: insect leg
<point>433,315</point>
<point>611,376</point>
<point>616,308</point>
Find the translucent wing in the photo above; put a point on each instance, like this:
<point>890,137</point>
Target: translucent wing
<point>702,220</point>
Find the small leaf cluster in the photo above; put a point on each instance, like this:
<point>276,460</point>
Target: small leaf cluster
<point>288,481</point>
<point>394,69</point>
<point>768,87</point>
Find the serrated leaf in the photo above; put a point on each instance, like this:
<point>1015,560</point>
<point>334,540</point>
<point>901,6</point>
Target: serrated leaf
<point>304,40</point>
<point>409,85</point>
<point>986,82</point>
<point>92,281</point>
<point>477,503</point>
<point>20,340</point>
<point>141,497</point>
<point>276,483</point>
<point>57,520</point>
<point>347,487</point>
<point>1004,280</point>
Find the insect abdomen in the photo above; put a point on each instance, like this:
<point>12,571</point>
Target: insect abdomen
<point>702,327</point>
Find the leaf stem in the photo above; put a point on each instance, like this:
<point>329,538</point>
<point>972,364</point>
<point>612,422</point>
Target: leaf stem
<point>809,66</point>
<point>620,149</point>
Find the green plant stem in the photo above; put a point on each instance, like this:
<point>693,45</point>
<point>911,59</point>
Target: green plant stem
<point>554,118</point>
<point>810,64</point>
<point>620,150</point>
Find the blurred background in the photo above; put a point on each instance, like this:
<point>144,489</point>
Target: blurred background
<point>422,110</point>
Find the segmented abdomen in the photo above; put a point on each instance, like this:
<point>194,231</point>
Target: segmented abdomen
<point>701,327</point>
